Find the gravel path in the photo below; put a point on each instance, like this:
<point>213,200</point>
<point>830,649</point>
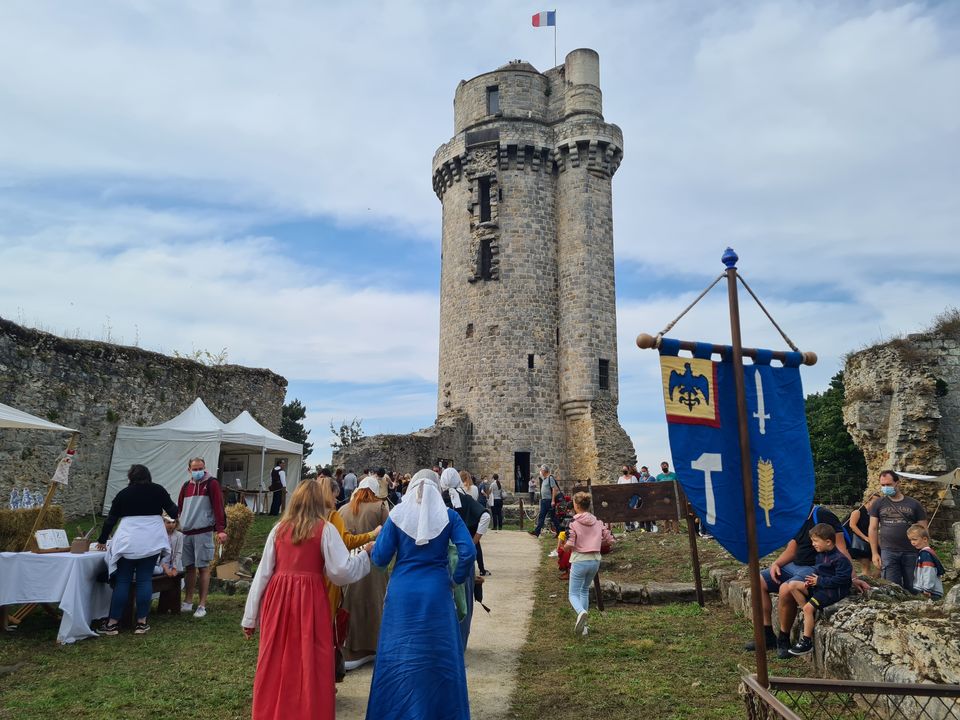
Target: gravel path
<point>495,639</point>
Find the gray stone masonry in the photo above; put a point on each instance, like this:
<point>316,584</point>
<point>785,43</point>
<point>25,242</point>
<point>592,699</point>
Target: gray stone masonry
<point>96,386</point>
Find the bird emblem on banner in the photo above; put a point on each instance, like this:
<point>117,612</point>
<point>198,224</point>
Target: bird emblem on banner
<point>700,403</point>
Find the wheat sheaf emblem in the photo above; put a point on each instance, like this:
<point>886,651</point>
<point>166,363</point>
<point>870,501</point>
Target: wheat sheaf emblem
<point>765,487</point>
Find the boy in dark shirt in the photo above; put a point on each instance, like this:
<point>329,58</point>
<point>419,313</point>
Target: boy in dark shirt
<point>829,583</point>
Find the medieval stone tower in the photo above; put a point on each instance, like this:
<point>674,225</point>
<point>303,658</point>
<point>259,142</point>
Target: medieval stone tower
<point>528,327</point>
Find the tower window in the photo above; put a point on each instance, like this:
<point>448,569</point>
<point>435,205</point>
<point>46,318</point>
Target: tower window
<point>604,375</point>
<point>493,100</point>
<point>483,192</point>
<point>485,260</point>
<point>530,362</point>
<point>469,330</point>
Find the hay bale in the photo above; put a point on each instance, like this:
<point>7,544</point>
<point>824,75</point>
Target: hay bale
<point>239,520</point>
<point>15,525</point>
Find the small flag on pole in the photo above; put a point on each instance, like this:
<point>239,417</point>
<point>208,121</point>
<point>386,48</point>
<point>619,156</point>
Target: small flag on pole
<point>545,19</point>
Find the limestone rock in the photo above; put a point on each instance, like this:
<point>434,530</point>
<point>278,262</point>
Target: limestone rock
<point>630,593</point>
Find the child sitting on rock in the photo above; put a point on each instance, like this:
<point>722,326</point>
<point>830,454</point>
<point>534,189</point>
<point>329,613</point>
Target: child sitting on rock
<point>926,579</point>
<point>829,583</point>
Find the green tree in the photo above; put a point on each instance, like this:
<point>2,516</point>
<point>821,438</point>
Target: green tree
<point>347,433</point>
<point>838,463</point>
<point>291,427</point>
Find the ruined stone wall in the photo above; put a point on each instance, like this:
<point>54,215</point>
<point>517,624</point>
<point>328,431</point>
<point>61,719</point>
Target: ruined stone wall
<point>902,409</point>
<point>96,386</point>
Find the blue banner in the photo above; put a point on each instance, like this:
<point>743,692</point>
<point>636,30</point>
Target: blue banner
<point>700,401</point>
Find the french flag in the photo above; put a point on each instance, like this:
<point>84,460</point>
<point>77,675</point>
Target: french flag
<point>545,19</point>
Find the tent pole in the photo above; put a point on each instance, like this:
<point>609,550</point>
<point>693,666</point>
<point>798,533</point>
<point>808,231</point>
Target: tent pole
<point>263,452</point>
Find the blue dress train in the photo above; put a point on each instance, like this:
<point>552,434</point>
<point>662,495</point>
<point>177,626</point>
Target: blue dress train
<point>419,673</point>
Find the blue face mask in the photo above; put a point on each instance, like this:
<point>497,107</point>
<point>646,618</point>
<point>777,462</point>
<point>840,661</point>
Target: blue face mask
<point>888,490</point>
<point>197,475</point>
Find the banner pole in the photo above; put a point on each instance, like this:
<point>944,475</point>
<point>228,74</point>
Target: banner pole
<point>730,260</point>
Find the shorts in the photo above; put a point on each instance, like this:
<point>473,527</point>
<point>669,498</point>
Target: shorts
<point>788,572</point>
<point>198,550</point>
<point>822,597</point>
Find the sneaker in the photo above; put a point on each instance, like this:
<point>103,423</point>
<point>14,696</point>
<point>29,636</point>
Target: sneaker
<point>706,536</point>
<point>581,623</point>
<point>553,553</point>
<point>804,645</point>
<point>654,529</point>
<point>769,637</point>
<point>532,532</point>
<point>783,648</point>
<point>141,629</point>
<point>484,573</point>
<point>109,628</point>
<point>200,612</point>
<point>586,631</point>
<point>354,664</point>
<point>186,607</point>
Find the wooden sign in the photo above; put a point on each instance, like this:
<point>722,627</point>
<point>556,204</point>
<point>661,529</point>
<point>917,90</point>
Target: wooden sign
<point>635,502</point>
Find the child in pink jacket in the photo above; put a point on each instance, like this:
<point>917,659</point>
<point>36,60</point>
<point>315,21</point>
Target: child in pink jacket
<point>584,538</point>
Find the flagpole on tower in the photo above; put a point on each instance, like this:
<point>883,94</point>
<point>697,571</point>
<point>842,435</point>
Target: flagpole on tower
<point>746,473</point>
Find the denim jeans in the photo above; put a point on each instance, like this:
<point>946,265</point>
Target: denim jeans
<point>581,577</point>
<point>898,567</point>
<point>546,508</point>
<point>126,568</point>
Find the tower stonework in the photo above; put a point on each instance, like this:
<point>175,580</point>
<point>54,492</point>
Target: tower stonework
<point>528,332</point>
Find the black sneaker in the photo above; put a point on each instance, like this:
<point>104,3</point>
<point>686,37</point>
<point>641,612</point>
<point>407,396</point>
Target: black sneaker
<point>769,637</point>
<point>783,648</point>
<point>484,573</point>
<point>804,646</point>
<point>108,628</point>
<point>141,629</point>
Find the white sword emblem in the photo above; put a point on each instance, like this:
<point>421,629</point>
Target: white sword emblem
<point>760,415</point>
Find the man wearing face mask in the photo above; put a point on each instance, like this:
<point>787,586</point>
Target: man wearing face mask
<point>890,517</point>
<point>201,514</point>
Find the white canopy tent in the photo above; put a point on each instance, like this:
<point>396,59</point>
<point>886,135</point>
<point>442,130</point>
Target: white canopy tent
<point>15,419</point>
<point>167,448</point>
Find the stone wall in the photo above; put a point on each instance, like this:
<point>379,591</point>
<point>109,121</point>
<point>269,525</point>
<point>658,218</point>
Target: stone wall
<point>902,409</point>
<point>96,386</point>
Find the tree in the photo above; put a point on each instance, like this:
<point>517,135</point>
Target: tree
<point>347,434</point>
<point>838,463</point>
<point>291,427</point>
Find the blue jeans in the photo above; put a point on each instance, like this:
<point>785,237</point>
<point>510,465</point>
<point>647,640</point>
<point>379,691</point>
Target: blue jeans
<point>581,577</point>
<point>546,508</point>
<point>899,567</point>
<point>126,568</point>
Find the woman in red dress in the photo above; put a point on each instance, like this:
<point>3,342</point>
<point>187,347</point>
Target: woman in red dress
<point>288,599</point>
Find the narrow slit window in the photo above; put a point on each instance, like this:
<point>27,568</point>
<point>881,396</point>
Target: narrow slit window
<point>493,100</point>
<point>486,259</point>
<point>483,190</point>
<point>530,362</point>
<point>604,374</point>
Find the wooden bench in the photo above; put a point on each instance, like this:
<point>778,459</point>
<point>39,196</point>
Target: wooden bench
<point>169,602</point>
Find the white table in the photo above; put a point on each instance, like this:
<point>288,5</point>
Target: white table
<point>65,579</point>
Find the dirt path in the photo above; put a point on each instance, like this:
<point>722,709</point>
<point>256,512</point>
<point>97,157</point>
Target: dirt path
<point>495,639</point>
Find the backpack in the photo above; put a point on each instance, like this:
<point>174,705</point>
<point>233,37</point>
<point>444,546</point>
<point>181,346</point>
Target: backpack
<point>845,526</point>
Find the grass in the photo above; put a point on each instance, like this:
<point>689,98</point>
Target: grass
<point>657,662</point>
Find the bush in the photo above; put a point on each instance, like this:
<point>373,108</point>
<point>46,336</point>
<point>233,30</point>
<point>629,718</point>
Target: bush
<point>239,520</point>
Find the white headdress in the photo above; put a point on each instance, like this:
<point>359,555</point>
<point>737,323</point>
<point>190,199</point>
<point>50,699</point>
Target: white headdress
<point>422,514</point>
<point>450,481</point>
<point>370,483</point>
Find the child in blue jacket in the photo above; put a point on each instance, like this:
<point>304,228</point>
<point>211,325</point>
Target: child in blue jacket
<point>926,578</point>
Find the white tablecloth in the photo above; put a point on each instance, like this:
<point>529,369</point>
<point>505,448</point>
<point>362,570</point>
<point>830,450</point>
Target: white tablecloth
<point>63,578</point>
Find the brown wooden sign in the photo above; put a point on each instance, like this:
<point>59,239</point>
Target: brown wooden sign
<point>635,502</point>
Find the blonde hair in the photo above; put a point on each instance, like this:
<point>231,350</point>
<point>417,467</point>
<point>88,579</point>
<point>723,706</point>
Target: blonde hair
<point>918,531</point>
<point>467,478</point>
<point>363,495</point>
<point>309,504</point>
<point>583,500</point>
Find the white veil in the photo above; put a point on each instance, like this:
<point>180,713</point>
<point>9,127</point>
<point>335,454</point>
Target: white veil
<point>422,514</point>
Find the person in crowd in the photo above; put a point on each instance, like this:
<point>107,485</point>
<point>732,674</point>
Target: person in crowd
<point>495,502</point>
<point>627,477</point>
<point>927,577</point>
<point>201,515</point>
<point>171,564</point>
<point>890,517</point>
<point>405,483</point>
<point>365,513</point>
<point>137,545</point>
<point>827,584</point>
<point>584,538</point>
<point>563,556</point>
<point>669,525</point>
<point>532,489</point>
<point>795,562</point>
<point>549,494</point>
<point>477,520</point>
<point>644,474</point>
<point>383,483</point>
<point>295,674</point>
<point>338,478</point>
<point>324,472</point>
<point>349,484</point>
<point>278,485</point>
<point>858,525</point>
<point>419,632</point>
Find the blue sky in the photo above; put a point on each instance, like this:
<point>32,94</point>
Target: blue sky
<point>256,176</point>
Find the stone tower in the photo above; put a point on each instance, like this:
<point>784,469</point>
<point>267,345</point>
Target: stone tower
<point>528,327</point>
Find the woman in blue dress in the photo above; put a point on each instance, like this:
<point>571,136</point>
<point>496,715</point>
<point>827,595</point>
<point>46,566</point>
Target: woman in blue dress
<point>420,637</point>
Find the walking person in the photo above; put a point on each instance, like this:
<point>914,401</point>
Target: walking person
<point>140,540</point>
<point>278,486</point>
<point>495,501</point>
<point>549,492</point>
<point>288,601</point>
<point>585,536</point>
<point>890,518</point>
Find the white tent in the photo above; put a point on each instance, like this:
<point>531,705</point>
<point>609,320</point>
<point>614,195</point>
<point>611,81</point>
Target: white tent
<point>167,448</point>
<point>19,420</point>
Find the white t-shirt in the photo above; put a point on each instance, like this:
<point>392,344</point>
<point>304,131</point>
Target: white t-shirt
<point>627,479</point>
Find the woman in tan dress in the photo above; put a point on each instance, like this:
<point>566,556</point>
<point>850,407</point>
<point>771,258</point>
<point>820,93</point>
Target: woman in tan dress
<point>364,599</point>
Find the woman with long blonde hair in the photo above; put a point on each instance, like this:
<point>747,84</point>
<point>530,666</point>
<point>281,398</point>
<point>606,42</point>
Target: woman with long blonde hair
<point>364,600</point>
<point>288,601</point>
